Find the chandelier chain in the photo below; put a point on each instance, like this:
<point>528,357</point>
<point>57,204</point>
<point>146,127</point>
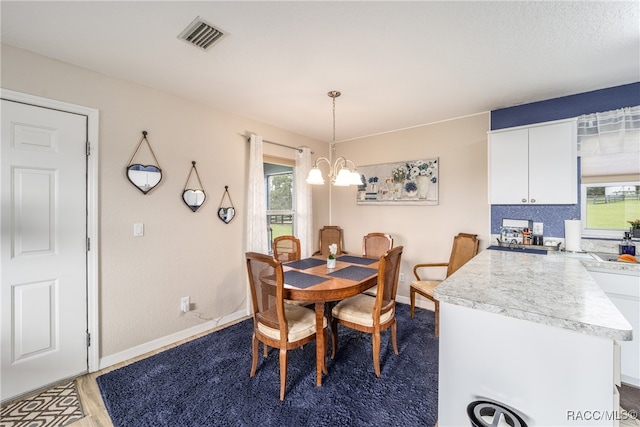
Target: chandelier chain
<point>334,119</point>
<point>342,172</point>
<point>334,94</point>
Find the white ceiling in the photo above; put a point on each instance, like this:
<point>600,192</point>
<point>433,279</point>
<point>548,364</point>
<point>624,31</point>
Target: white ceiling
<point>398,64</point>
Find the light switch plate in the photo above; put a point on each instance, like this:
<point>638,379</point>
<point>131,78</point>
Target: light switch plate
<point>138,229</point>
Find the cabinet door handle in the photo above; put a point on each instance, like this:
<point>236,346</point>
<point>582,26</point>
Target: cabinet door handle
<point>533,200</point>
<point>524,200</point>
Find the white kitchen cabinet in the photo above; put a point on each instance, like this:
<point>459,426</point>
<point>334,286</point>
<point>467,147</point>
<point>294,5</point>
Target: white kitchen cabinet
<point>534,165</point>
<point>623,289</point>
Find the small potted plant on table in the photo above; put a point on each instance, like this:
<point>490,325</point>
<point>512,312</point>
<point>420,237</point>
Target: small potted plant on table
<point>331,259</point>
<point>635,228</point>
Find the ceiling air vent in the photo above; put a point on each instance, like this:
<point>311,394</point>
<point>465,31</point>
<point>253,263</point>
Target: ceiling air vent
<point>201,34</point>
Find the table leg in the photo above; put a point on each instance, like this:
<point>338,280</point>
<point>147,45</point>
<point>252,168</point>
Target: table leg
<point>320,350</point>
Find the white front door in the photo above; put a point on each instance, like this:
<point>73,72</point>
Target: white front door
<point>43,253</point>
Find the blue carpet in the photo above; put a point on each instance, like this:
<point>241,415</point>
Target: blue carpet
<point>205,382</point>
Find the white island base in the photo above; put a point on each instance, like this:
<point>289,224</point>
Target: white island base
<point>549,375</point>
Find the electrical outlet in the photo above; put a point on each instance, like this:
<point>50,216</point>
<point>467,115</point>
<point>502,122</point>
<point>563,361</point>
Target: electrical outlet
<point>185,304</point>
<point>401,279</point>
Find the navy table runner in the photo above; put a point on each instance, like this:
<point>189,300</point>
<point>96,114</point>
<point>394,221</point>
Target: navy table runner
<point>354,272</point>
<point>301,280</point>
<point>303,264</point>
<point>357,260</point>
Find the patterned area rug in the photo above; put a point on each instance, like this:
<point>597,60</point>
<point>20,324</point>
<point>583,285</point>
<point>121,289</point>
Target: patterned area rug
<point>56,407</point>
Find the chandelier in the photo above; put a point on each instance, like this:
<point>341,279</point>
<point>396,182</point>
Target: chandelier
<point>343,172</point>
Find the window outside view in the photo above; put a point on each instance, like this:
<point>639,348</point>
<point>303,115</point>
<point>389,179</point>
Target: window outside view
<point>612,206</point>
<point>279,201</point>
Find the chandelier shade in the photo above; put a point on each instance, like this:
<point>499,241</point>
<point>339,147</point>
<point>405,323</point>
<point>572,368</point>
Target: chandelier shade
<point>315,176</point>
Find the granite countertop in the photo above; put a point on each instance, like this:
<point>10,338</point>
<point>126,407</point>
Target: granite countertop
<point>613,266</point>
<point>550,290</point>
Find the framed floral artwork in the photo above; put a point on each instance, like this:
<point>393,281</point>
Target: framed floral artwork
<point>401,183</point>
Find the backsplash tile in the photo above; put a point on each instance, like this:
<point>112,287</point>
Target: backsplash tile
<point>552,216</point>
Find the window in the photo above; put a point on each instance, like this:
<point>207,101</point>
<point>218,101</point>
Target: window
<point>607,206</point>
<point>280,204</point>
<point>609,146</point>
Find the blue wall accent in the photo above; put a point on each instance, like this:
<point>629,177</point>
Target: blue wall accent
<point>553,216</point>
<point>566,107</point>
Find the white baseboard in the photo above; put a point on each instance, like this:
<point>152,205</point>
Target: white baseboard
<point>156,344</point>
<point>630,380</point>
<point>420,302</point>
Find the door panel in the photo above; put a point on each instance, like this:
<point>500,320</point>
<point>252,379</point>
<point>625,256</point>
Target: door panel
<point>33,229</point>
<point>43,250</point>
<point>34,319</point>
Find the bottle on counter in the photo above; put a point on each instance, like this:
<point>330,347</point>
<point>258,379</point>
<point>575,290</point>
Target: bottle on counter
<point>526,236</point>
<point>627,246</point>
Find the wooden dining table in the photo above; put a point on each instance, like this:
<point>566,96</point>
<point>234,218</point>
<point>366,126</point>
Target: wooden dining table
<point>310,280</point>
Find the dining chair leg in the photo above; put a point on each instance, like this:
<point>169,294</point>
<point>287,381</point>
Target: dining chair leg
<point>254,355</point>
<point>266,350</point>
<point>334,338</point>
<point>393,337</point>
<point>412,296</point>
<point>283,372</point>
<point>375,338</point>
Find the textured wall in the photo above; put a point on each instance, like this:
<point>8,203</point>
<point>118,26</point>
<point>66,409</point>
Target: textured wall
<point>567,106</point>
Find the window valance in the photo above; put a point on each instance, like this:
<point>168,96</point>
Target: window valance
<point>609,132</point>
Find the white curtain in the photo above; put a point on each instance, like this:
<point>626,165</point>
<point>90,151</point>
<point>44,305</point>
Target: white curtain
<point>609,142</point>
<point>257,238</point>
<point>616,131</point>
<point>304,212</point>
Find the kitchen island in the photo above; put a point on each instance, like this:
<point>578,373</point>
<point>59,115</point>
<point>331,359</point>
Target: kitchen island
<point>532,332</point>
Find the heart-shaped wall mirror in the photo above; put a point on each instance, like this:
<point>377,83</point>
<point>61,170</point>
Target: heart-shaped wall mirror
<point>145,177</point>
<point>193,197</point>
<point>226,213</point>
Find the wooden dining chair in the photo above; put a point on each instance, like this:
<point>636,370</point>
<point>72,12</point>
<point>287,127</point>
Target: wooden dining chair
<point>465,247</point>
<point>369,314</point>
<point>276,324</point>
<point>330,234</point>
<point>375,245</point>
<point>286,248</point>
